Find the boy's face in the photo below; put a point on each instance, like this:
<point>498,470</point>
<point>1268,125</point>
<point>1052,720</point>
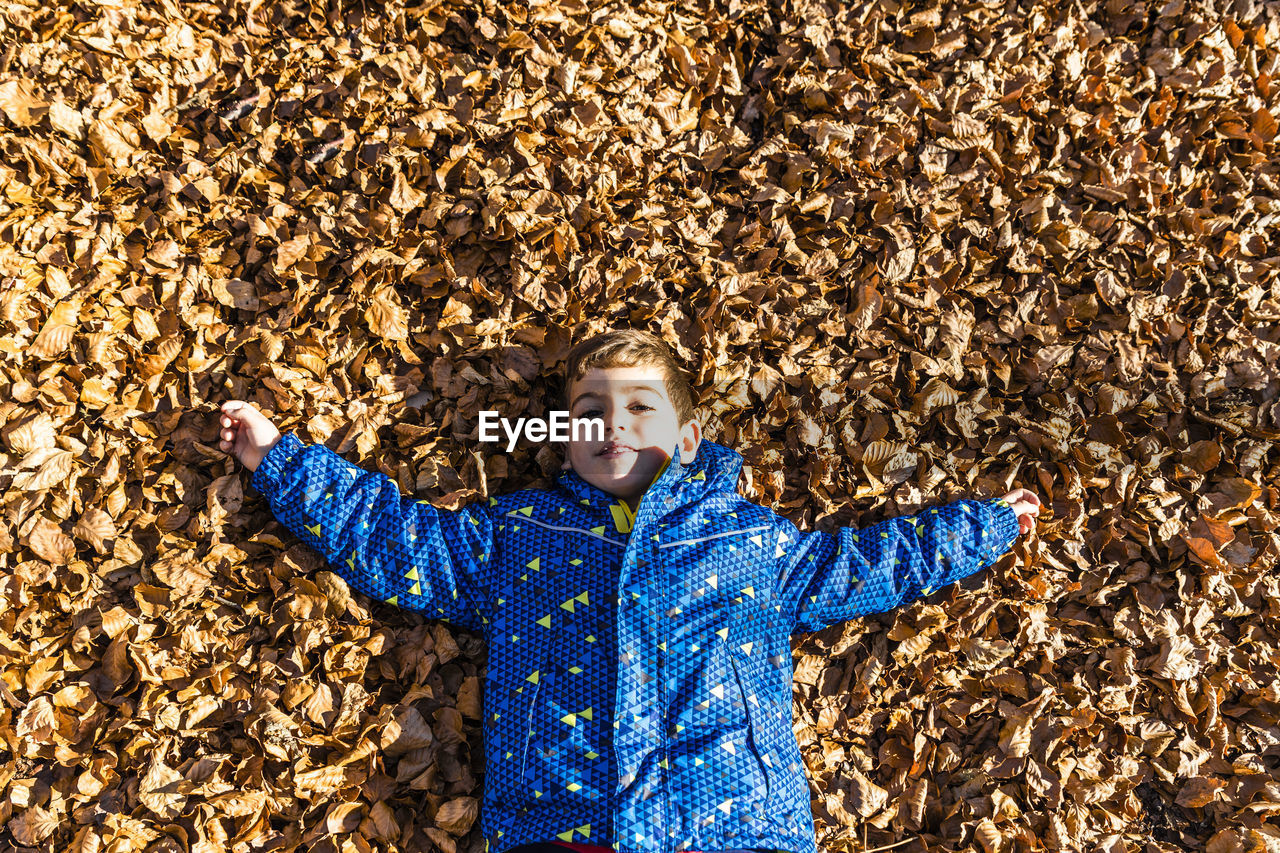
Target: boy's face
<point>640,428</point>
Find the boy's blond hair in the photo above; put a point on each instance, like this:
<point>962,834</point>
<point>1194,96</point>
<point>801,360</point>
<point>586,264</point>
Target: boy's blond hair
<point>631,348</point>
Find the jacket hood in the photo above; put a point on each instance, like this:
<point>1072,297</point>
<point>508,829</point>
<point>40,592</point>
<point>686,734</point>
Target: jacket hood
<point>715,468</point>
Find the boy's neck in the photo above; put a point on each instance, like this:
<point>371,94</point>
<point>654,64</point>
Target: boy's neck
<point>632,504</point>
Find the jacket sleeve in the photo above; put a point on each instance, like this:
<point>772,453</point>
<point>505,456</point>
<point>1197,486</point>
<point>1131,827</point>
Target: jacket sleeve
<point>390,547</point>
<point>825,578</point>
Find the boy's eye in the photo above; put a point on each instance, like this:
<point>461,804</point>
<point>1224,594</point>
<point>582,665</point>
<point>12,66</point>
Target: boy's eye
<point>590,413</point>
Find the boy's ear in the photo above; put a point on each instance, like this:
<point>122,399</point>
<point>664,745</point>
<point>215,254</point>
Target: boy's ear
<point>690,438</point>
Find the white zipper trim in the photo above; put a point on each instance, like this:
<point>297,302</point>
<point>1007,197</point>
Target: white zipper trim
<point>712,536</point>
<point>515,514</point>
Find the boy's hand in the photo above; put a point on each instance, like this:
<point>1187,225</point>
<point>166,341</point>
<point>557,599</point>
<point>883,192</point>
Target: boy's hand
<point>1026,506</point>
<point>246,433</point>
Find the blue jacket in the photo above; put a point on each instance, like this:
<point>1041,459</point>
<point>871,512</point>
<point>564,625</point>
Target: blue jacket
<point>639,681</point>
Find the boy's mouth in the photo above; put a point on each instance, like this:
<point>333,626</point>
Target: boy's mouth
<point>613,450</point>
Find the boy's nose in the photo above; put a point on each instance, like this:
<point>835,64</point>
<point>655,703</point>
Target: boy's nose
<point>618,425</point>
<point>613,422</point>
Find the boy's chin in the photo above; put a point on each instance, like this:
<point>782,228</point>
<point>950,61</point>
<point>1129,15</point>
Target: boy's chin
<point>616,486</point>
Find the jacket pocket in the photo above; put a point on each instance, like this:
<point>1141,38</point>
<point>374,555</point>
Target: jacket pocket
<point>762,779</point>
<point>532,724</point>
<point>511,772</point>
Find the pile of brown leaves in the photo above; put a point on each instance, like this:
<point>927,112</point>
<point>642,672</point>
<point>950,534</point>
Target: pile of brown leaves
<point>910,253</point>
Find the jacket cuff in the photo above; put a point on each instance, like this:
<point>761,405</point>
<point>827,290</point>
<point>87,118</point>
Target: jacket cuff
<point>1006,522</point>
<point>266,477</point>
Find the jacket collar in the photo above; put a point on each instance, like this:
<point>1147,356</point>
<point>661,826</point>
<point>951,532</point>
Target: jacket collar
<point>715,468</point>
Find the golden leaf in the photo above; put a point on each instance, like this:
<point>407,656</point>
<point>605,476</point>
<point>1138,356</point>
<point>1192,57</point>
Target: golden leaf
<point>1233,493</point>
<point>456,816</point>
<point>17,100</point>
<point>126,550</point>
<point>1015,736</point>
<point>291,251</point>
<point>58,330</point>
<point>386,318</point>
<point>182,572</point>
<point>156,125</point>
<point>337,593</point>
<point>101,345</point>
<point>52,466</point>
<point>113,143</point>
<point>117,501</point>
<point>241,803</point>
<point>320,706</point>
<point>408,731</point>
<point>1204,549</point>
<point>226,494</point>
<point>144,324</point>
<point>116,621</point>
<point>343,817</point>
<point>47,541</point>
<point>985,654</point>
<point>404,197</point>
<point>37,718</point>
<point>810,432</point>
<point>155,363</point>
<point>1199,791</point>
<point>31,433</point>
<point>1177,659</point>
<point>321,780</point>
<point>880,451</point>
<point>66,120</point>
<point>158,790</point>
<point>865,796</point>
<point>911,806</point>
<point>913,647</point>
<point>935,394</point>
<point>33,826</point>
<point>97,393</point>
<point>988,835</point>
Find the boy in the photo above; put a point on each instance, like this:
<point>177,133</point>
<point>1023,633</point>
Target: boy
<point>638,615</point>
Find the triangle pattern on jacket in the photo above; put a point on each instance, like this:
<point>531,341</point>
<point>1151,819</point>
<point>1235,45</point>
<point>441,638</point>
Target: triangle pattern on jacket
<point>639,682</point>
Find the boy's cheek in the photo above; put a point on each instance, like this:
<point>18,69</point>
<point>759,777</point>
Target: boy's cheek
<point>578,450</point>
<point>570,452</point>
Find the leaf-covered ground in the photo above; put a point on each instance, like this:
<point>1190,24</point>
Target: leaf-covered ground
<point>909,253</point>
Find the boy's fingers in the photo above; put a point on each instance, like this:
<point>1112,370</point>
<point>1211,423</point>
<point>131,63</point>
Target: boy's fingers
<point>1025,510</point>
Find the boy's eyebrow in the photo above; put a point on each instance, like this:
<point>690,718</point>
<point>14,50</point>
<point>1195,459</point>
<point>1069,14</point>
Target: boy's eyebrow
<point>624,388</point>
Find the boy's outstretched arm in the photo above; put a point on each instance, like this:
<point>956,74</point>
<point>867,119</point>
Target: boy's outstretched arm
<point>825,578</point>
<point>388,546</point>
